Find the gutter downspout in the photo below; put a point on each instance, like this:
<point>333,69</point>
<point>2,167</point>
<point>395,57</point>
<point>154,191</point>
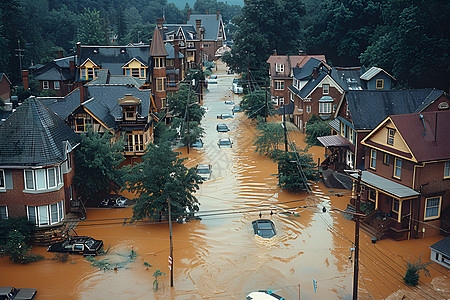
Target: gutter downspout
<point>416,232</point>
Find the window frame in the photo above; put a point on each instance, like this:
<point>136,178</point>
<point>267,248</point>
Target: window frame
<point>2,179</point>
<point>377,86</point>
<point>279,85</point>
<point>447,169</point>
<point>369,194</point>
<point>325,107</point>
<point>439,207</point>
<point>160,84</point>
<point>45,85</point>
<point>390,136</point>
<point>373,159</point>
<point>56,85</point>
<point>6,212</point>
<point>77,126</point>
<point>326,89</point>
<point>308,109</point>
<point>396,167</point>
<point>394,201</point>
<point>34,214</point>
<point>279,68</point>
<point>386,159</point>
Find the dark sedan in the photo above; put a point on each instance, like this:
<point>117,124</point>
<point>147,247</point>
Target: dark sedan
<point>222,128</point>
<point>264,228</point>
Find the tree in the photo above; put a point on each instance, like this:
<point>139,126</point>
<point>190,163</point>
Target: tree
<point>254,104</point>
<point>97,160</point>
<point>315,128</point>
<point>413,269</point>
<point>159,177</point>
<point>290,174</point>
<point>92,29</point>
<point>270,135</point>
<point>179,101</point>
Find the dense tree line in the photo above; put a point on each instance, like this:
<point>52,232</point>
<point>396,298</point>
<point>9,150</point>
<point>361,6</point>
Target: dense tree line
<point>409,39</point>
<point>41,27</point>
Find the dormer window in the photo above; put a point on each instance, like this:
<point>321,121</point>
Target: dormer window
<point>379,84</point>
<point>390,137</point>
<point>135,68</point>
<point>130,112</point>
<point>279,68</point>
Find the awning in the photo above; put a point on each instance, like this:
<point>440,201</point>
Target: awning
<point>335,141</point>
<point>335,124</point>
<point>386,186</point>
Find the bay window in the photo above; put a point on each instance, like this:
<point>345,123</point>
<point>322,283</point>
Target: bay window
<point>46,214</point>
<point>43,179</point>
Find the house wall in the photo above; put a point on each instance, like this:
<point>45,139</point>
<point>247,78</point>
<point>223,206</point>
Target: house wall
<point>387,82</point>
<point>443,100</point>
<point>5,90</point>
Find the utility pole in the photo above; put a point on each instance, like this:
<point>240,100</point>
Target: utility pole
<point>357,206</point>
<point>266,110</point>
<point>171,244</point>
<point>187,114</point>
<point>285,129</point>
<point>20,55</point>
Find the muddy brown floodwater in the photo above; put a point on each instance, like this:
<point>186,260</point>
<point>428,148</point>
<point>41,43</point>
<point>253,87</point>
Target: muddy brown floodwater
<point>219,257</point>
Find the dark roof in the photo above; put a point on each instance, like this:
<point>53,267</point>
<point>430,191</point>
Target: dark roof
<point>443,246</point>
<point>312,84</point>
<point>209,22</point>
<point>34,136</point>
<point>348,78</point>
<point>289,109</point>
<point>372,72</point>
<point>307,69</point>
<point>369,107</point>
<point>64,106</point>
<point>53,72</point>
<point>157,47</point>
<point>426,134</point>
<point>188,31</point>
<point>171,52</point>
<point>334,141</point>
<point>4,115</point>
<point>64,62</point>
<point>113,57</point>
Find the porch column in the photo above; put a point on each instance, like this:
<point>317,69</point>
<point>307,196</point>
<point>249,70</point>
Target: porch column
<point>399,217</point>
<point>376,200</point>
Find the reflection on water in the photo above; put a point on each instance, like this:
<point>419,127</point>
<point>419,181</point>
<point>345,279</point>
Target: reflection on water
<point>219,257</point>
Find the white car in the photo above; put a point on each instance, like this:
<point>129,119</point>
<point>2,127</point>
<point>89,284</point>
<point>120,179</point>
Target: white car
<point>204,171</point>
<point>212,79</point>
<point>264,295</point>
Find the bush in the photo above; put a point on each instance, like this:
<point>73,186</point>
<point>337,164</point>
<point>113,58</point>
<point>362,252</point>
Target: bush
<point>316,129</point>
<point>413,271</point>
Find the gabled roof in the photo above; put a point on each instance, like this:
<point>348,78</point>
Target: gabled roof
<point>348,77</point>
<point>426,134</point>
<point>112,57</point>
<point>372,72</point>
<point>105,78</point>
<point>53,72</point>
<point>138,59</point>
<point>178,29</point>
<point>34,136</point>
<point>369,107</point>
<point>63,106</point>
<point>290,62</point>
<point>209,22</point>
<point>171,52</point>
<point>157,47</point>
<point>3,76</point>
<point>311,85</point>
<point>443,246</point>
<point>302,73</point>
<point>64,62</point>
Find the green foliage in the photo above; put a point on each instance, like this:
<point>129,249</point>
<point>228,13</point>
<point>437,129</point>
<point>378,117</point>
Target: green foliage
<point>178,103</point>
<point>367,207</point>
<point>48,93</point>
<point>2,104</point>
<point>314,129</point>
<point>97,159</point>
<point>270,135</point>
<point>289,174</point>
<point>18,249</point>
<point>21,225</point>
<point>254,104</point>
<point>92,30</point>
<point>162,175</point>
<point>413,269</point>
<point>156,274</point>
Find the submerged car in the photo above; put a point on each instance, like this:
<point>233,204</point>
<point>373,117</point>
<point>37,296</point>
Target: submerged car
<point>229,102</point>
<point>197,144</point>
<point>9,293</point>
<point>212,79</point>
<point>225,143</point>
<point>224,116</point>
<point>222,128</point>
<point>204,171</point>
<point>114,201</point>
<point>264,228</point>
<point>77,245</point>
<point>236,109</point>
<point>263,295</point>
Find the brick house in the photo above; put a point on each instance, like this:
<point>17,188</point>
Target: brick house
<point>360,111</point>
<point>5,87</point>
<point>36,165</point>
<point>407,174</point>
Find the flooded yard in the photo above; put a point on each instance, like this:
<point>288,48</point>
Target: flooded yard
<point>219,257</point>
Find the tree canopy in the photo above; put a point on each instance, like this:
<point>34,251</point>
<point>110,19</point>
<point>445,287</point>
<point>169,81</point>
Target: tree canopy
<point>162,175</point>
<point>257,104</point>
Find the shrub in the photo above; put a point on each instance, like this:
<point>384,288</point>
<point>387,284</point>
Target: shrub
<point>413,271</point>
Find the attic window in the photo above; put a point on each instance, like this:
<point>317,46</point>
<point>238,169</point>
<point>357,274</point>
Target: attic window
<point>279,68</point>
<point>380,83</point>
<point>390,137</point>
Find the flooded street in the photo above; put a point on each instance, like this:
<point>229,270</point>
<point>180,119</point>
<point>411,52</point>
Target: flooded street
<point>219,256</point>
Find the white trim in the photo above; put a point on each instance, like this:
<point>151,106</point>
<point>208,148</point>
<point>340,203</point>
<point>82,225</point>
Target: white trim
<point>425,218</point>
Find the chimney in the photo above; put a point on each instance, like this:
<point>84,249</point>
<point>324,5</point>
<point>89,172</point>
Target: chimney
<point>274,52</point>
<point>25,79</point>
<point>83,93</point>
<point>198,25</point>
<point>160,22</point>
<point>78,49</point>
<point>315,73</point>
<point>189,14</point>
<point>218,15</point>
<point>59,54</point>
<point>72,66</point>
<point>176,49</point>
<point>207,12</point>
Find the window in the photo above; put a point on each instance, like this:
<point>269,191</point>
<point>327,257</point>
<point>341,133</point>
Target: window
<point>83,74</point>
<point>79,124</point>
<point>134,142</point>
<point>373,159</point>
<point>127,72</point>
<point>275,100</point>
<point>390,137</point>
<point>397,168</point>
<point>135,72</point>
<point>325,107</point>
<point>43,179</point>
<point>159,62</point>
<point>281,100</point>
<point>279,85</point>
<point>395,205</point>
<point>142,73</point>
<point>2,179</point>
<point>447,169</point>
<point>170,62</point>
<point>326,89</point>
<point>3,212</point>
<point>56,83</point>
<point>379,84</point>
<point>308,109</point>
<point>386,159</point>
<point>160,84</point>
<point>46,214</point>
<point>45,85</point>
<point>432,208</point>
<point>130,112</point>
<point>90,73</point>
<point>279,68</point>
<point>164,102</point>
<point>372,195</point>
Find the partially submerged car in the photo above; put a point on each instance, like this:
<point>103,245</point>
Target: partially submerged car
<point>228,102</point>
<point>197,144</point>
<point>225,143</point>
<point>264,228</point>
<point>77,245</point>
<point>9,293</point>
<point>114,201</point>
<point>204,171</point>
<point>224,116</point>
<point>212,79</point>
<point>222,128</point>
<point>236,109</point>
<point>263,295</point>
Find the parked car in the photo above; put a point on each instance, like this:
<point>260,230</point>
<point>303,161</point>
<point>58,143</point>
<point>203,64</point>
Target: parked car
<point>263,295</point>
<point>236,109</point>
<point>212,79</point>
<point>197,144</point>
<point>204,171</point>
<point>9,293</point>
<point>222,128</point>
<point>264,228</point>
<point>225,143</point>
<point>114,201</point>
<point>224,116</point>
<point>77,245</point>
<point>229,102</point>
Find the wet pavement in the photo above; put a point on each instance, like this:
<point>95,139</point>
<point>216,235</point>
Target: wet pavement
<point>219,257</point>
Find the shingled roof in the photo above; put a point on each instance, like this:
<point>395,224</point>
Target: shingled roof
<point>157,47</point>
<point>369,107</point>
<point>210,22</point>
<point>34,136</point>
